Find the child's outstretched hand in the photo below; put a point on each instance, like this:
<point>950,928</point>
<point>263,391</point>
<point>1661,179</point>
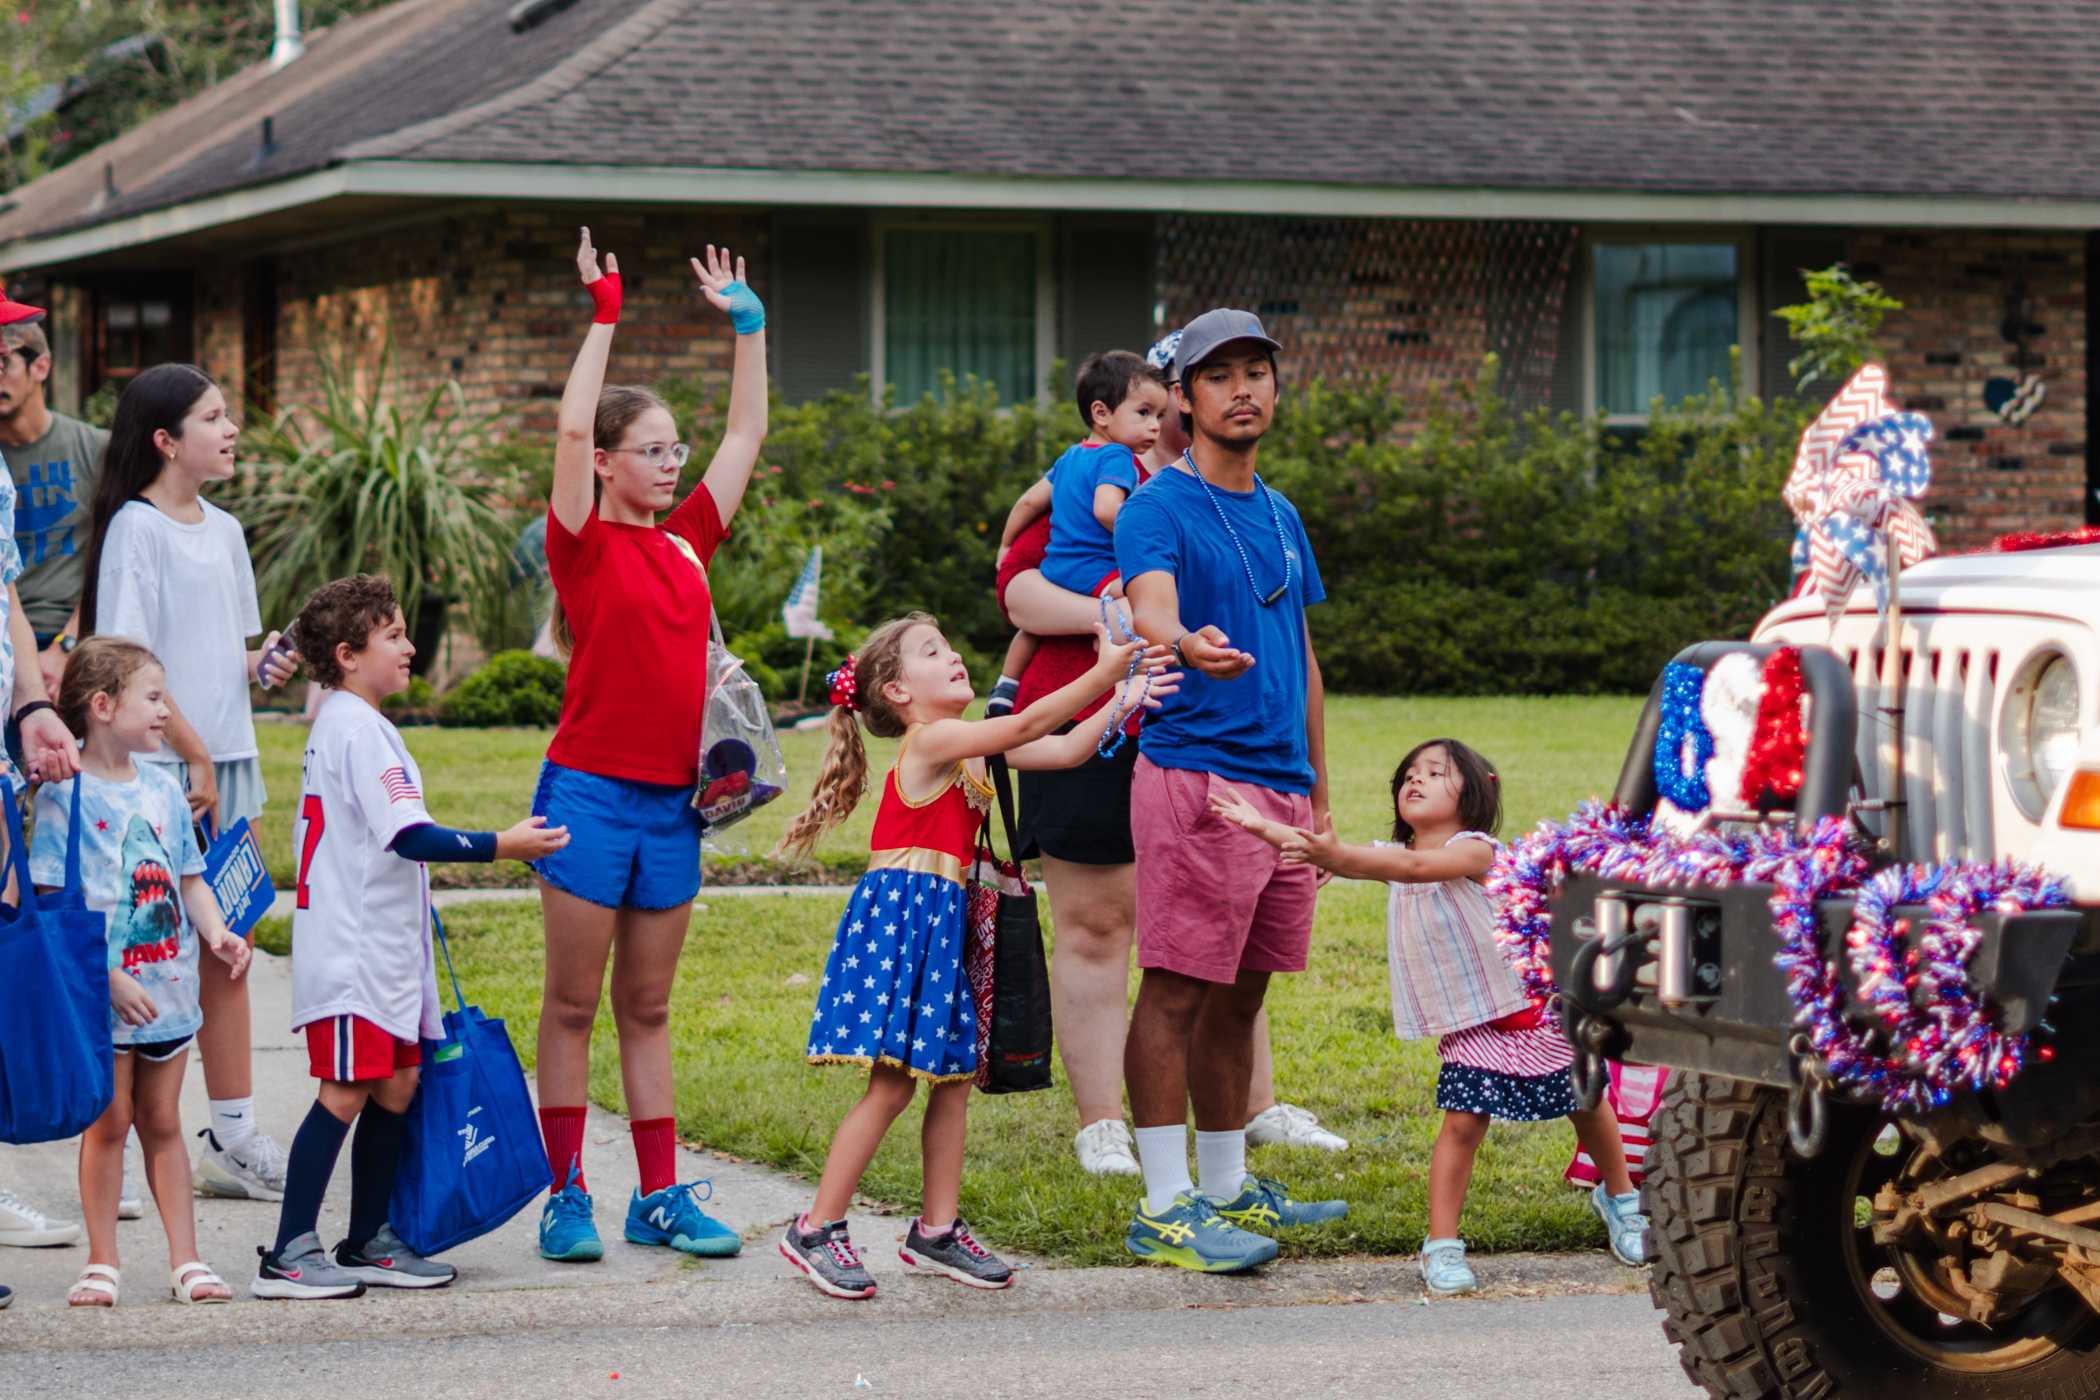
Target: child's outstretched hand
<point>530,839</point>
<point>1111,657</point>
<point>231,949</point>
<point>129,999</point>
<point>1153,682</point>
<point>1320,848</point>
<point>1236,809</point>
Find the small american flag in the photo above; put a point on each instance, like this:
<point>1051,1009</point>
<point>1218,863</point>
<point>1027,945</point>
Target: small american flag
<point>399,786</point>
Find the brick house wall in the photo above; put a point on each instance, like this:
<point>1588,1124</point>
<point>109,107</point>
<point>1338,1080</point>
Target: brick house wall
<point>489,297</point>
<point>1988,476</point>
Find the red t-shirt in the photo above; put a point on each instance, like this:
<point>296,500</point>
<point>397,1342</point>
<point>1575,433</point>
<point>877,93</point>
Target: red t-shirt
<point>1058,660</point>
<point>639,612</point>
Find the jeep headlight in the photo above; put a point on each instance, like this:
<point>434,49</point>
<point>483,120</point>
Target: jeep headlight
<point>2038,732</point>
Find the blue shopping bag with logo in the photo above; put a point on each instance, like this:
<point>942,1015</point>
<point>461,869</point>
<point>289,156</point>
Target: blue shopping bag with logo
<point>56,1061</point>
<point>240,882</point>
<point>472,1157</point>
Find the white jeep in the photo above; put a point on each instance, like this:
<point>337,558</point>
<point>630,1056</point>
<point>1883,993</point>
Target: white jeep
<point>1805,1243</point>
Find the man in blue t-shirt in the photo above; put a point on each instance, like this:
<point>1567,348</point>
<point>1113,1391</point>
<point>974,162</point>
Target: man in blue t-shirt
<point>1217,564</point>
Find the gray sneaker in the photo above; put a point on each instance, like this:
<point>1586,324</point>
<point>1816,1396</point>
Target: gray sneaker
<point>827,1257</point>
<point>387,1262</point>
<point>303,1270</point>
<point>955,1254</point>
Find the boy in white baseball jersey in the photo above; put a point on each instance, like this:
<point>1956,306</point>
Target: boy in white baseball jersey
<point>364,986</point>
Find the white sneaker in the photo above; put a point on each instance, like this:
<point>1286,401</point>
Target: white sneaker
<point>23,1225</point>
<point>1288,1125</point>
<point>1105,1149</point>
<point>252,1172</point>
<point>130,1205</point>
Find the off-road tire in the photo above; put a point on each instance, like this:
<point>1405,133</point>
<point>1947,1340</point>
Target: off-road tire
<point>1754,1283</point>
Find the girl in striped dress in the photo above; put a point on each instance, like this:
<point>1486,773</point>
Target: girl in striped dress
<point>893,998</point>
<point>1503,1056</point>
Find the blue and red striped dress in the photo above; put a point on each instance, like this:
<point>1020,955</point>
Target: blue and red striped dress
<point>893,991</point>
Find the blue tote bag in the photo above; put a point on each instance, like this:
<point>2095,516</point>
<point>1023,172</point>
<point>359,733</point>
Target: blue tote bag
<point>56,1061</point>
<point>473,1157</point>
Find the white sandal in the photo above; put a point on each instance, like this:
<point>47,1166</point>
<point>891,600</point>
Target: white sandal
<point>99,1279</point>
<point>184,1282</point>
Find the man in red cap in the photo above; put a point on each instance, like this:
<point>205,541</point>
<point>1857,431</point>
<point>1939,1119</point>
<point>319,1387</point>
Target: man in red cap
<point>53,460</point>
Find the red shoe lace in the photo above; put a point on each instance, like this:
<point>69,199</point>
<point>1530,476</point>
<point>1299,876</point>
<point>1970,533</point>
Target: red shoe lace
<point>964,1238</point>
<point>842,1251</point>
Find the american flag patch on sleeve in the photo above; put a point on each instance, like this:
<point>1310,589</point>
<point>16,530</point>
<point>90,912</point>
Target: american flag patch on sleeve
<point>399,786</point>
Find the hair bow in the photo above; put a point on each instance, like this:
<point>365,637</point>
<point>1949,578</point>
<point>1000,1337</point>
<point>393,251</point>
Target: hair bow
<point>1860,469</point>
<point>845,686</point>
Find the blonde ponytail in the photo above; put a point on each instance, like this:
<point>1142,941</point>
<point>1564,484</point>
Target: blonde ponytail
<point>841,781</point>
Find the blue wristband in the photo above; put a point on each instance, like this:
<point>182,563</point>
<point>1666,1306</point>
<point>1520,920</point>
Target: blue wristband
<point>746,312</point>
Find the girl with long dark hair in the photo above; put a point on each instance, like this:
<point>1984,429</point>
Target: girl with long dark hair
<point>170,570</point>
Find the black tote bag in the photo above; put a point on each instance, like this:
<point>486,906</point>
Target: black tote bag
<point>1014,1039</point>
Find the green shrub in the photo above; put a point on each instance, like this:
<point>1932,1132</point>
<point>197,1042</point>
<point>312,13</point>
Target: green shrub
<point>511,688</point>
<point>419,701</point>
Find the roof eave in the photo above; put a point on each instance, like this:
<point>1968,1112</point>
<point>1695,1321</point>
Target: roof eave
<point>607,184</point>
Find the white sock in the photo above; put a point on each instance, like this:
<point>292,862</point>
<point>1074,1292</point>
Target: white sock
<point>1163,1156</point>
<point>1221,1163</point>
<point>233,1121</point>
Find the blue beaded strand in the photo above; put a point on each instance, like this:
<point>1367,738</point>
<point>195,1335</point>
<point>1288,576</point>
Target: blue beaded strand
<point>1275,517</point>
<point>1103,746</point>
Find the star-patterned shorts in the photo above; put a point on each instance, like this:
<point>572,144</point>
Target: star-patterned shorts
<point>893,991</point>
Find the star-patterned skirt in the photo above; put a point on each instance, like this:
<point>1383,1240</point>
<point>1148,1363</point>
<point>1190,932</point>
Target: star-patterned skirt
<point>893,991</point>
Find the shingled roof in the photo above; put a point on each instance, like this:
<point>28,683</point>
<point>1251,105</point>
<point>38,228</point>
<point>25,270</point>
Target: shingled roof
<point>1918,98</point>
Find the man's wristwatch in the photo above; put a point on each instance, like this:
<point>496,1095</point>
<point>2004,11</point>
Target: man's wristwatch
<point>1181,660</point>
<point>65,642</point>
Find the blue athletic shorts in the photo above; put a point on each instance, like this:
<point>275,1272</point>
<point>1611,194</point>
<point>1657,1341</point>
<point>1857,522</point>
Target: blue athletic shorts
<point>631,845</point>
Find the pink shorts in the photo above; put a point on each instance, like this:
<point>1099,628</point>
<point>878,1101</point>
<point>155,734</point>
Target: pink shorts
<point>1213,899</point>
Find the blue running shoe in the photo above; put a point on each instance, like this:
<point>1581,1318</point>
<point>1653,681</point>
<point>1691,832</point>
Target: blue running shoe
<point>673,1216</point>
<point>1624,1225</point>
<point>567,1232</point>
<point>1192,1234</point>
<point>1267,1205</point>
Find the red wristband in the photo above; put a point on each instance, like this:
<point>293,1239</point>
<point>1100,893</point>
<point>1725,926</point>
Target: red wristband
<point>605,295</point>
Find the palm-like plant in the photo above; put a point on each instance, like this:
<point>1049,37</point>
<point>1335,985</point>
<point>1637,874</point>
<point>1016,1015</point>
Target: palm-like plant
<point>359,484</point>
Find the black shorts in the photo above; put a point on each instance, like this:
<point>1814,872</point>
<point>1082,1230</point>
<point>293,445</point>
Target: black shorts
<point>1080,814</point>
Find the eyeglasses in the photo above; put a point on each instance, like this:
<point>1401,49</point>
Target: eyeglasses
<point>657,453</point>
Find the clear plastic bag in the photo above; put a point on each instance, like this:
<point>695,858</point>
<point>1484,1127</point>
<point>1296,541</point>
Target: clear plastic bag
<point>741,766</point>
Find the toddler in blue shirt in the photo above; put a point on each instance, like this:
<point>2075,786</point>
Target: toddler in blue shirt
<point>1121,400</point>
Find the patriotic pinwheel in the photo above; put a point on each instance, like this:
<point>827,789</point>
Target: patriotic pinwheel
<point>1859,471</point>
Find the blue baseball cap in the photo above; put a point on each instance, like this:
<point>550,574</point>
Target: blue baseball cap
<point>1212,332</point>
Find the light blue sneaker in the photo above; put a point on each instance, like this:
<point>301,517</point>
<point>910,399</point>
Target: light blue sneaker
<point>1445,1271</point>
<point>1624,1224</point>
<point>1192,1234</point>
<point>567,1232</point>
<point>673,1216</point>
<point>1267,1205</point>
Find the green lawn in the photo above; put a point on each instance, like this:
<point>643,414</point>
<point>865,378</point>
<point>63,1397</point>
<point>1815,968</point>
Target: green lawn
<point>740,1017</point>
<point>1552,753</point>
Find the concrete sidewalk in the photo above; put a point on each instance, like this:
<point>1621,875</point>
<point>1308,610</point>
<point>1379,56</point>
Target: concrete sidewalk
<point>753,1200</point>
<point>506,1291</point>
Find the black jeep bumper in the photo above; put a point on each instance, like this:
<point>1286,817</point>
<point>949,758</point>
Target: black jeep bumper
<point>1702,990</point>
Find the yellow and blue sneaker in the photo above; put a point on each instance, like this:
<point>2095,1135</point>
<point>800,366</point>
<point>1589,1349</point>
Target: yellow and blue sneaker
<point>1192,1234</point>
<point>673,1217</point>
<point>1267,1205</point>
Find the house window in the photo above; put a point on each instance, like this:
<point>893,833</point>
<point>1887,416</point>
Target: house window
<point>1666,317</point>
<point>136,329</point>
<point>965,300</point>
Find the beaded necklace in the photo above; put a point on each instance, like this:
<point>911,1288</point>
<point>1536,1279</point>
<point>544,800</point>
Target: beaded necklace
<point>1111,740</point>
<point>1275,517</point>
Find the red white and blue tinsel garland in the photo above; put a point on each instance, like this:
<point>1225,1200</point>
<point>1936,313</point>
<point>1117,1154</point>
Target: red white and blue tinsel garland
<point>1922,1049</point>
